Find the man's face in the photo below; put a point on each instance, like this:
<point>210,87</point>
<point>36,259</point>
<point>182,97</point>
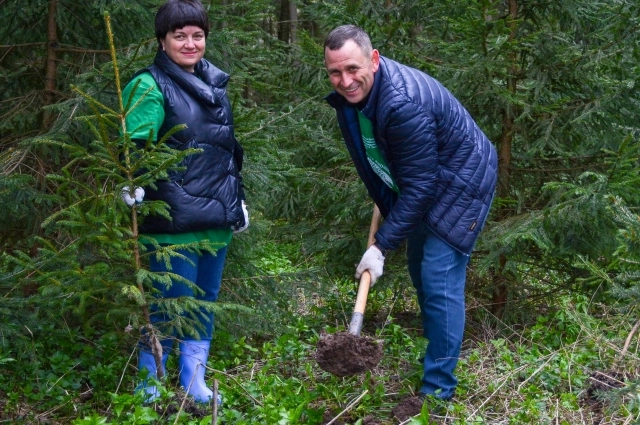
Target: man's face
<point>351,71</point>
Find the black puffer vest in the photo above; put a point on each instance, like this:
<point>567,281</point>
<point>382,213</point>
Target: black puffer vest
<point>207,193</point>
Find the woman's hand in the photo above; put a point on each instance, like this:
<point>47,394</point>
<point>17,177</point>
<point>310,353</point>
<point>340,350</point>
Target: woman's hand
<point>246,220</point>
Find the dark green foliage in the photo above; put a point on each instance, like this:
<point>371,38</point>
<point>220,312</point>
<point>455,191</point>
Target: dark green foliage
<point>557,85</point>
<point>60,364</point>
<point>582,234</point>
<point>80,44</point>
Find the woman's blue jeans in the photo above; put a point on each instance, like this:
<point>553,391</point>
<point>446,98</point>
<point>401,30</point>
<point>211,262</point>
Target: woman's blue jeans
<point>438,273</point>
<point>205,271</point>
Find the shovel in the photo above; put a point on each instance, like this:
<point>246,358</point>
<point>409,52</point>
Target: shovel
<point>348,353</point>
<point>355,326</point>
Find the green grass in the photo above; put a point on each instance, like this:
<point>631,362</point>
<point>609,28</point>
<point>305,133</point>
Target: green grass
<point>545,371</point>
<point>535,374</point>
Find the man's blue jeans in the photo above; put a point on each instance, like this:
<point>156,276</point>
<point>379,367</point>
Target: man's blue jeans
<point>205,271</point>
<point>438,272</point>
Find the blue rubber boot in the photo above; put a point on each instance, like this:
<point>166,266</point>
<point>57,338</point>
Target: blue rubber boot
<point>148,362</point>
<point>193,358</point>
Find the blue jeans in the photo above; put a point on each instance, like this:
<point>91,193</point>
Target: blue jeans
<point>205,271</point>
<point>438,273</point>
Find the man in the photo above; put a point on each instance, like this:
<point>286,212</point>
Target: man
<point>432,173</point>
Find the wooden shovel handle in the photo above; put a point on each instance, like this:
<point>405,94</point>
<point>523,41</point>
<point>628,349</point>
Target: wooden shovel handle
<point>365,279</point>
<point>373,228</point>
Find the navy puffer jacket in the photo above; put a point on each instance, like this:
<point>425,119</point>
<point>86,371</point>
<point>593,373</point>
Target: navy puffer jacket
<point>207,192</point>
<point>443,164</point>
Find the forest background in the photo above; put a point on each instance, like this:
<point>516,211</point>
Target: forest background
<point>553,286</point>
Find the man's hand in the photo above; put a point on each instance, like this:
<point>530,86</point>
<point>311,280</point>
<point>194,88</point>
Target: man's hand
<point>246,220</point>
<point>132,198</point>
<point>373,261</point>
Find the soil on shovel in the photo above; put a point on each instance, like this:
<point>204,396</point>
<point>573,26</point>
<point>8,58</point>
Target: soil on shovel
<point>344,354</point>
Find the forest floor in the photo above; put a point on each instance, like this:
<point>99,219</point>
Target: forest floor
<point>563,368</point>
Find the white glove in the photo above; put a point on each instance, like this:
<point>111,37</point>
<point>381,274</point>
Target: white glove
<point>373,261</point>
<point>246,220</point>
<point>138,196</point>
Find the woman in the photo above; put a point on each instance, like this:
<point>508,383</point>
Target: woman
<point>206,196</point>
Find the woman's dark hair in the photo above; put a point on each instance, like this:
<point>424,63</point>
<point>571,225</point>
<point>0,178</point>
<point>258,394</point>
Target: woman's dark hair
<point>176,14</point>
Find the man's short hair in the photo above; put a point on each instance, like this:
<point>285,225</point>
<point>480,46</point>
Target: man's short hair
<point>176,14</point>
<point>336,38</point>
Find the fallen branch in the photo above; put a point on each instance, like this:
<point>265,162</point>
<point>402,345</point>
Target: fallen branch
<point>627,342</point>
<point>236,381</point>
<point>214,416</point>
<point>187,395</point>
<point>349,406</point>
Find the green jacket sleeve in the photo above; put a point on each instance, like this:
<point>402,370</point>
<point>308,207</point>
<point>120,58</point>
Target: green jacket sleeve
<point>145,107</point>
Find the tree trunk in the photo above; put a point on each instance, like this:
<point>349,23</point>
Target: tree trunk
<point>293,21</point>
<point>288,22</point>
<point>283,22</point>
<point>504,155</point>
<point>51,80</point>
<point>506,138</point>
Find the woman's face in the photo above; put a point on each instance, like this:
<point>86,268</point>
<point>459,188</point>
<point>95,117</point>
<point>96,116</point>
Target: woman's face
<point>185,46</point>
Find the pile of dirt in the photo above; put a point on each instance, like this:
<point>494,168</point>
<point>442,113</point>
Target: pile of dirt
<point>344,354</point>
<point>407,408</point>
<point>599,384</point>
<point>343,420</point>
